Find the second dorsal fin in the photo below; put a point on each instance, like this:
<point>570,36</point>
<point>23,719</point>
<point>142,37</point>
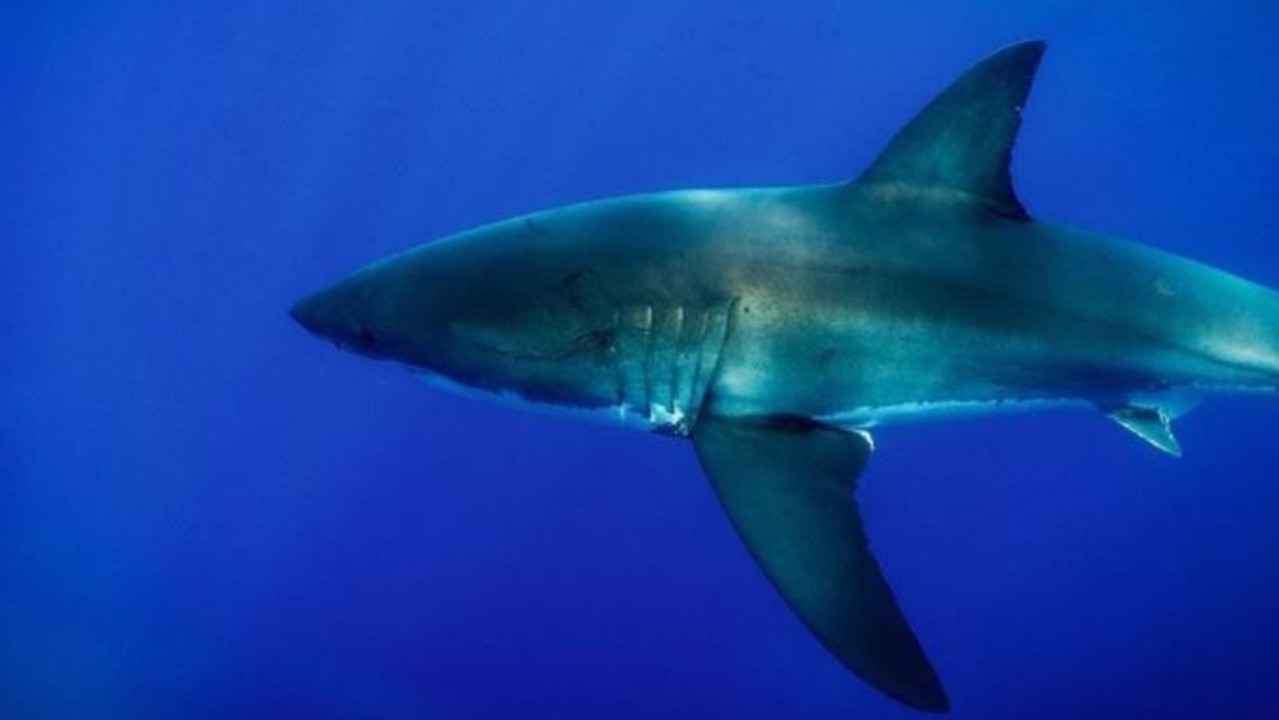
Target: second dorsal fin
<point>962,141</point>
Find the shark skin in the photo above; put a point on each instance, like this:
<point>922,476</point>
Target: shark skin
<point>775,327</point>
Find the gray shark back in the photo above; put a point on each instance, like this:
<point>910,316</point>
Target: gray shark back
<point>898,300</point>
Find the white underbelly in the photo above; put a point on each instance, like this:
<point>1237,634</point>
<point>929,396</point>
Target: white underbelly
<point>869,417</point>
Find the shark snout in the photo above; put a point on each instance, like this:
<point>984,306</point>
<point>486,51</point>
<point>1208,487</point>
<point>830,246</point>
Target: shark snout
<point>333,313</point>
<point>341,314</point>
<point>309,313</point>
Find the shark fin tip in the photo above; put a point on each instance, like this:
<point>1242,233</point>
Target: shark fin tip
<point>1152,424</point>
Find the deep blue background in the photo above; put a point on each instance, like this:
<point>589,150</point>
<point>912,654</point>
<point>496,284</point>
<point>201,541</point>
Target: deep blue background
<point>206,513</point>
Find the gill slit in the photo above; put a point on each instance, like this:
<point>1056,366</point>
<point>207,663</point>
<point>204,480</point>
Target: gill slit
<point>666,360</point>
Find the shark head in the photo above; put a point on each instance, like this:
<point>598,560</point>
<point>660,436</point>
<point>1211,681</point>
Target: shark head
<point>580,309</point>
<point>504,309</point>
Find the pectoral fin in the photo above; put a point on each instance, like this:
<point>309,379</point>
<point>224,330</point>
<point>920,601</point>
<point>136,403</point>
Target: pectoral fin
<point>1154,425</point>
<point>788,488</point>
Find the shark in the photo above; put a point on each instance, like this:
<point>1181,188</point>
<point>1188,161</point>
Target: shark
<point>777,328</point>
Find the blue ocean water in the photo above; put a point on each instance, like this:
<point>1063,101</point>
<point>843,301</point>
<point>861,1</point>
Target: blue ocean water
<point>205,513</point>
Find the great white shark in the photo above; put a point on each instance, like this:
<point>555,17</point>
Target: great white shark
<point>777,327</point>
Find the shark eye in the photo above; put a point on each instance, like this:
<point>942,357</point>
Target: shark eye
<point>367,337</point>
<point>594,340</point>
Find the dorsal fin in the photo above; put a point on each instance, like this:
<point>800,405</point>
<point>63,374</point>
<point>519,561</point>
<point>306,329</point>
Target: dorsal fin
<point>962,141</point>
